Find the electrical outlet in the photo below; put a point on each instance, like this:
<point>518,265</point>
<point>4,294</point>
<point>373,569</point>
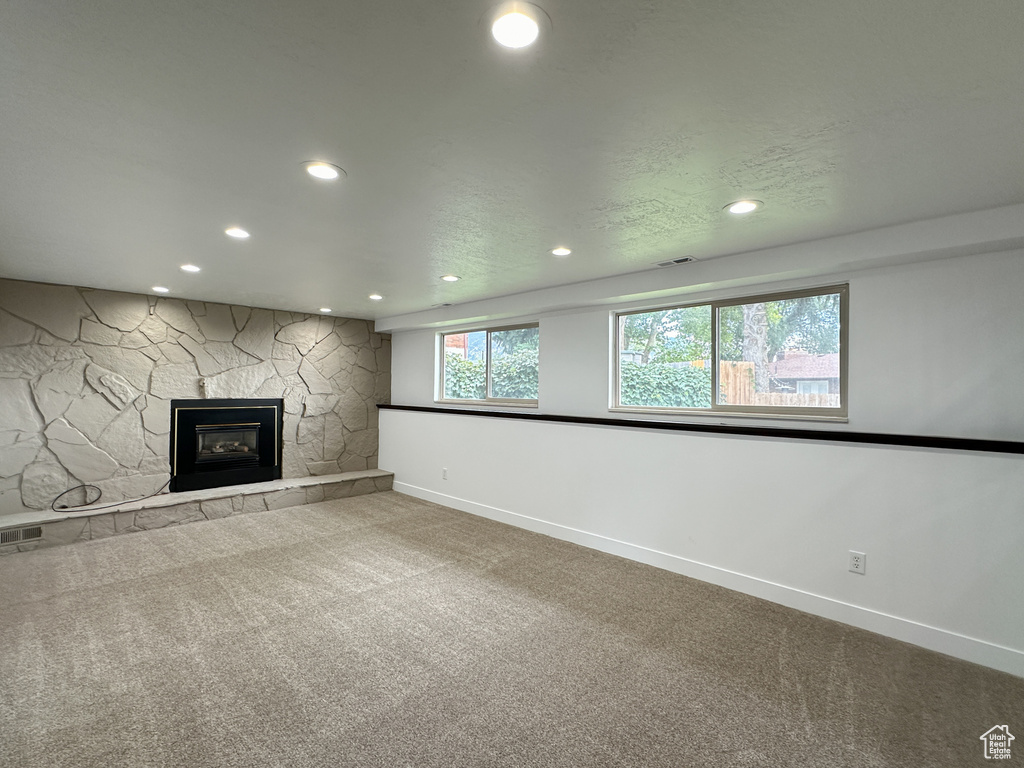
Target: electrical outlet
<point>858,562</point>
<point>444,473</point>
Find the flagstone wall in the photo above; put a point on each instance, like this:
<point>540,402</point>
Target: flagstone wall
<point>86,379</point>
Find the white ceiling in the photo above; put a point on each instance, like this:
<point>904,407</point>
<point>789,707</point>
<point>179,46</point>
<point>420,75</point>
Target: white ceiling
<point>132,133</point>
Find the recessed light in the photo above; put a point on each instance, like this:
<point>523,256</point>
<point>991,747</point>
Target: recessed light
<point>375,297</point>
<point>189,268</point>
<point>322,170</point>
<point>236,232</point>
<point>325,310</point>
<point>743,206</point>
<point>450,278</point>
<point>160,289</point>
<point>561,252</point>
<point>517,24</point>
<point>515,30</point>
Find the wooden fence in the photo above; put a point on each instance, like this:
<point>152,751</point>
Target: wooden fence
<point>794,400</point>
<point>736,387</point>
<point>736,382</point>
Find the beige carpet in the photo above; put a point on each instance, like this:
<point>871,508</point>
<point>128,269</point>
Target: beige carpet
<point>387,631</point>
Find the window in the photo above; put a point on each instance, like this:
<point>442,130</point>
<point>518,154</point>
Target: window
<point>812,387</point>
<point>780,353</point>
<point>498,365</point>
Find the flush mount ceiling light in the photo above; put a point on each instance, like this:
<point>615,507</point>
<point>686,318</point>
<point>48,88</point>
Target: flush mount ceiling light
<point>325,310</point>
<point>517,24</point>
<point>375,297</point>
<point>189,268</point>
<point>560,251</point>
<point>743,206</point>
<point>321,170</point>
<point>160,289</point>
<point>236,232</point>
<point>450,278</point>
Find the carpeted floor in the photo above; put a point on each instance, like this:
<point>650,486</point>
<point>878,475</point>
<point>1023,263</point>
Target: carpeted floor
<point>387,631</point>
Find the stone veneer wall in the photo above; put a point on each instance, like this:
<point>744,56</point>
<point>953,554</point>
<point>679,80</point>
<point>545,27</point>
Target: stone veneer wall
<point>86,379</point>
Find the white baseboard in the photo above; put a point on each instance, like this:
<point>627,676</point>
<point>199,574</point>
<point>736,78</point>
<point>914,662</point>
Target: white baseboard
<point>943,641</point>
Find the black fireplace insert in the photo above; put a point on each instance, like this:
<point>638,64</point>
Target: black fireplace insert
<point>225,442</point>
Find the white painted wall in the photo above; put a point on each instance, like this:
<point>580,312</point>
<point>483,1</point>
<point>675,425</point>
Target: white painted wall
<point>935,349</point>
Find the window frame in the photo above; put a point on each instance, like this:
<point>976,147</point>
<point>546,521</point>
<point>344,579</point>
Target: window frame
<point>764,411</point>
<point>487,400</point>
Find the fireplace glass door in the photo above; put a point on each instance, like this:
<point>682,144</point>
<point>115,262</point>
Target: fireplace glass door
<point>237,444</point>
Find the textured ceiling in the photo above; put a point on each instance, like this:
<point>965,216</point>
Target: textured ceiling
<point>133,133</point>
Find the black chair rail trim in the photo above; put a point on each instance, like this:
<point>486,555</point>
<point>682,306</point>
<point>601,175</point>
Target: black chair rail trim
<point>830,435</point>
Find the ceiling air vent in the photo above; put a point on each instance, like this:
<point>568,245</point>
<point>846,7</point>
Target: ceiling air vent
<point>680,260</point>
<point>16,535</point>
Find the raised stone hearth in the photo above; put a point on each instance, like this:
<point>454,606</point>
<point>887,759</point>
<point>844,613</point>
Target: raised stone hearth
<point>188,507</point>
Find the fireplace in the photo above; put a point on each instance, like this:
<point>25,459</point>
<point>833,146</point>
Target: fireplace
<point>225,442</point>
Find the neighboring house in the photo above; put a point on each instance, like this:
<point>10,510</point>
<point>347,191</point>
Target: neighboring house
<point>456,344</point>
<point>802,373</point>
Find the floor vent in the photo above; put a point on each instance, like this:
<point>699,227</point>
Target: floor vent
<point>17,535</point>
<point>680,260</point>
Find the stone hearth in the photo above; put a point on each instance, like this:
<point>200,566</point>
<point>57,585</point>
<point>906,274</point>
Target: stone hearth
<point>188,507</point>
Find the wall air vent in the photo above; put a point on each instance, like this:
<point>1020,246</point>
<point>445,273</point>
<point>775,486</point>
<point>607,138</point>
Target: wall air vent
<point>17,535</point>
<point>672,262</point>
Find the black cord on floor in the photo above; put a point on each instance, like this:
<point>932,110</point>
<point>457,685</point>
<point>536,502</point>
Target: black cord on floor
<point>99,495</point>
<point>53,504</point>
